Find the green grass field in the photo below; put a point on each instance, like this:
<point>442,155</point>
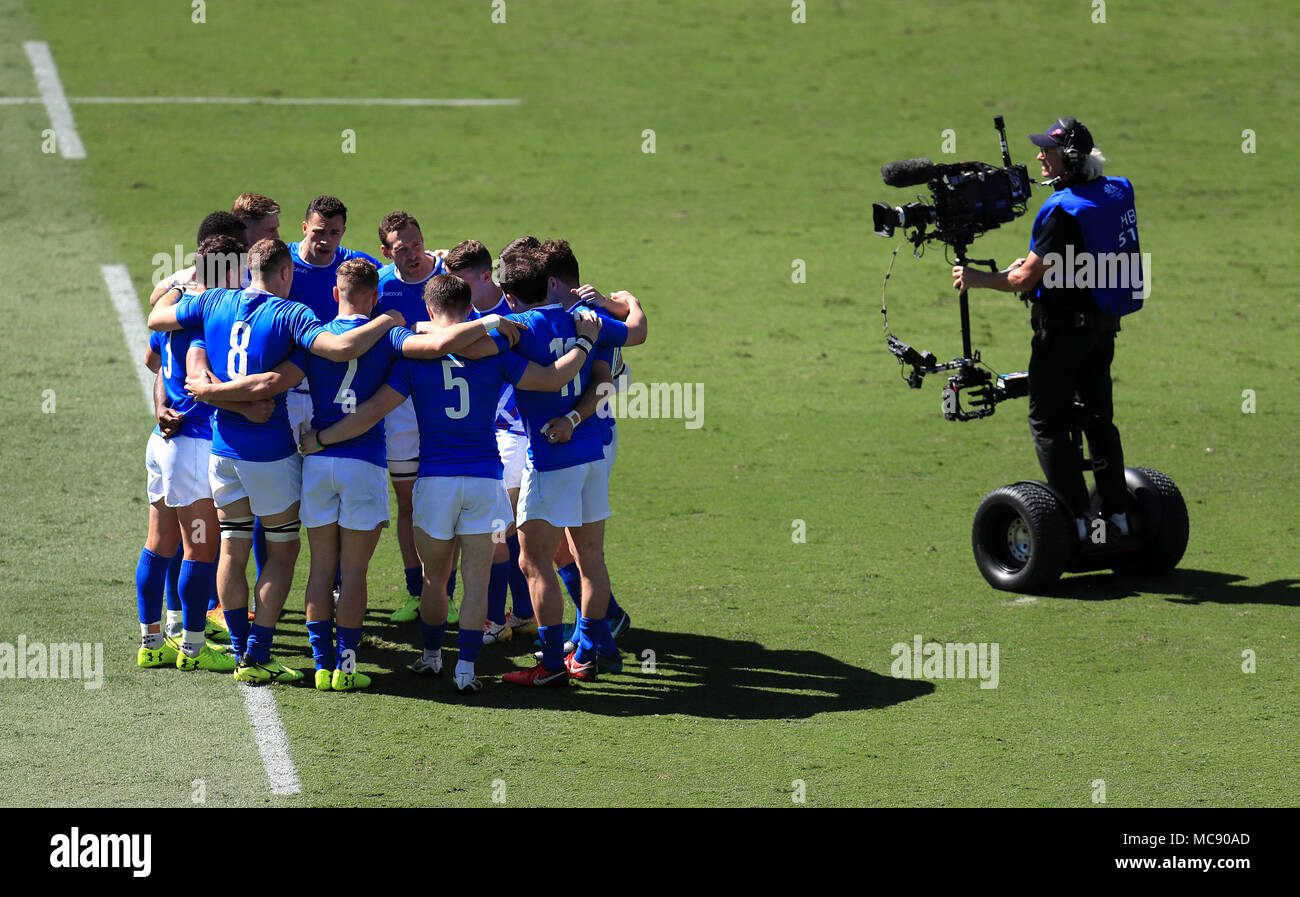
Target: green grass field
<point>771,656</point>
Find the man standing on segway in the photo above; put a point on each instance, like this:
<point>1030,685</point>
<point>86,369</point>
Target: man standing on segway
<point>1083,272</point>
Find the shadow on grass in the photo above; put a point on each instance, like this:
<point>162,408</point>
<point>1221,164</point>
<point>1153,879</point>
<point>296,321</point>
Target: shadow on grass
<point>693,675</point>
<point>1180,586</point>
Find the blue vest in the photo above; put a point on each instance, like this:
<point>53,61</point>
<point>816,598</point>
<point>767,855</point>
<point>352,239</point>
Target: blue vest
<point>1108,220</point>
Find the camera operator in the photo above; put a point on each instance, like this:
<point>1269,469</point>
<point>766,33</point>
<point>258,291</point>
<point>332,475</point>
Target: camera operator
<point>1074,325</point>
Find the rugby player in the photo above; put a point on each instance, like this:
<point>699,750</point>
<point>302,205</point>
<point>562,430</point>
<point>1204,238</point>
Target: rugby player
<point>254,469</point>
<point>217,223</point>
<point>472,263</point>
<point>260,214</point>
<point>401,286</point>
<point>458,492</point>
<point>565,485</point>
<point>179,492</point>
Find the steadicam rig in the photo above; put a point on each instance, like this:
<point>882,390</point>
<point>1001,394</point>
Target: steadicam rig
<point>967,199</point>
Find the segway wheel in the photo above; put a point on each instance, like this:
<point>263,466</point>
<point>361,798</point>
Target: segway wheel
<point>1022,537</point>
<point>1161,521</point>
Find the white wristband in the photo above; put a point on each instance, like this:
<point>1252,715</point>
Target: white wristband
<point>574,417</point>
<point>490,323</point>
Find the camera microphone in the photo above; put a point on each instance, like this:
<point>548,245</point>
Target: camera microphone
<point>908,172</point>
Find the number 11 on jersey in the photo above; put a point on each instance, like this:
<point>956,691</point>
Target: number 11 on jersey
<point>561,347</point>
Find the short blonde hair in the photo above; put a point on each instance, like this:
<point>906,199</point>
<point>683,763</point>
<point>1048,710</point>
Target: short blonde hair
<point>357,274</point>
<point>254,207</point>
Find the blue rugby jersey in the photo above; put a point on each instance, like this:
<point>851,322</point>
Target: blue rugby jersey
<point>313,285</point>
<point>455,404</point>
<point>551,333</point>
<point>507,409</point>
<point>250,332</point>
<point>406,297</point>
<point>338,387</point>
<point>172,347</point>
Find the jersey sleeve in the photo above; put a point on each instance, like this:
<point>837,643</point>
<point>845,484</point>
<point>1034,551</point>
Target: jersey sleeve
<point>304,326</point>
<point>399,377</point>
<point>512,366</point>
<point>605,354</point>
<point>156,341</point>
<point>397,337</point>
<point>189,311</point>
<point>612,332</point>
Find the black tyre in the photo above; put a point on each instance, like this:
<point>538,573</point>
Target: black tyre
<point>1022,537</point>
<point>1161,523</point>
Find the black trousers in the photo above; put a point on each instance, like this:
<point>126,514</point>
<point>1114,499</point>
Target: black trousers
<point>1069,361</point>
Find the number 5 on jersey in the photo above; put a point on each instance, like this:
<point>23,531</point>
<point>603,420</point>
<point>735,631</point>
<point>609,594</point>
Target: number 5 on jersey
<point>460,384</point>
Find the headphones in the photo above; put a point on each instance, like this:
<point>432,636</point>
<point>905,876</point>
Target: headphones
<point>1071,154</point>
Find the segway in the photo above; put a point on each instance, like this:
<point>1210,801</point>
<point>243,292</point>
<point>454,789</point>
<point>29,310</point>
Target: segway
<point>1024,535</point>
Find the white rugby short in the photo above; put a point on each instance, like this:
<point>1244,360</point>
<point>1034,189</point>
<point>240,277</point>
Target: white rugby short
<point>346,491</point>
<point>460,506</point>
<point>611,452</point>
<point>270,486</point>
<point>178,470</point>
<point>570,496</point>
<point>513,448</point>
<point>402,435</point>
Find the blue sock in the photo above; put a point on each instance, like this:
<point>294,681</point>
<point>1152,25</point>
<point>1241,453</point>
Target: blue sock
<point>259,545</point>
<point>601,640</point>
<point>150,576</point>
<point>523,602</point>
<point>432,635</point>
<point>414,581</point>
<point>468,644</point>
<point>573,582</point>
<point>348,641</point>
<point>496,608</point>
<point>614,611</point>
<point>194,585</point>
<point>259,643</point>
<point>214,601</point>
<point>321,636</point>
<point>582,637</point>
<point>552,638</point>
<point>238,623</point>
<point>173,589</point>
<point>451,585</point>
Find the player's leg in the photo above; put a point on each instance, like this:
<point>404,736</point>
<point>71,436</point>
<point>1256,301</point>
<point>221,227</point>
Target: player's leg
<point>593,637</point>
<point>362,515</point>
<point>161,544</point>
<point>522,618</point>
<point>475,567</point>
<point>618,619</point>
<point>323,540</point>
<point>494,623</point>
<point>403,489</point>
<point>436,505</point>
<point>453,608</point>
<point>200,531</point>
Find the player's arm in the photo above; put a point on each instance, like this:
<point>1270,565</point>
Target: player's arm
<point>597,393</point>
<point>365,416</point>
<point>350,345</point>
<point>163,316</point>
<point>180,278</point>
<point>169,421</point>
<point>469,339</point>
<point>553,377</point>
<point>196,366</point>
<point>209,388</point>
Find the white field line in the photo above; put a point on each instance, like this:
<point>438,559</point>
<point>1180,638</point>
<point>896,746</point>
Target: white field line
<point>260,101</point>
<point>268,731</point>
<point>56,104</point>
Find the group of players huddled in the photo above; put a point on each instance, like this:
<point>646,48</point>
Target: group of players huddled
<point>291,377</point>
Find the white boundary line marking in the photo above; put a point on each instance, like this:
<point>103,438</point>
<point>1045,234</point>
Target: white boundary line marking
<point>56,104</point>
<point>259,101</point>
<point>268,731</point>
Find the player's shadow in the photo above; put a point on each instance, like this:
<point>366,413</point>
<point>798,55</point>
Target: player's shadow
<point>1180,586</point>
<point>690,674</point>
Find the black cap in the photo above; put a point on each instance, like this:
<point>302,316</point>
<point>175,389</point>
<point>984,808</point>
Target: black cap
<point>1063,130</point>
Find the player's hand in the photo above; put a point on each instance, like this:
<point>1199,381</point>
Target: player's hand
<point>558,430</point>
<point>587,323</point>
<point>439,253</point>
<point>398,320</point>
<point>425,327</point>
<point>260,411</point>
<point>169,423</point>
<point>198,382</point>
<point>510,330</point>
<point>309,445</point>
<point>590,294</point>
